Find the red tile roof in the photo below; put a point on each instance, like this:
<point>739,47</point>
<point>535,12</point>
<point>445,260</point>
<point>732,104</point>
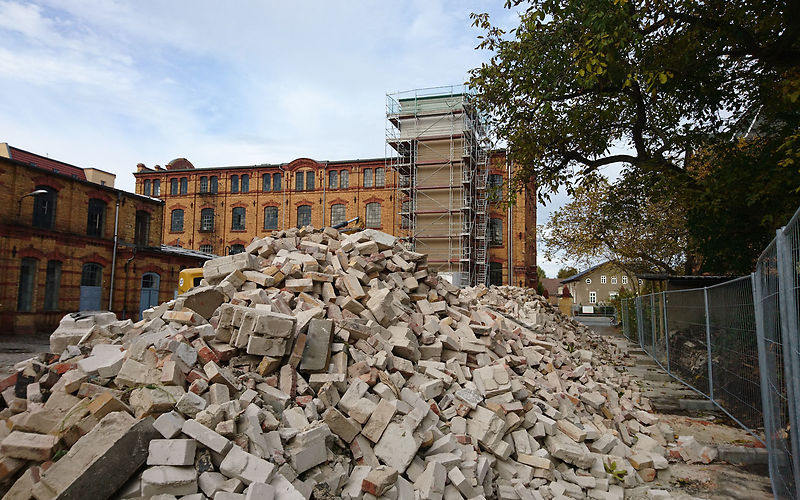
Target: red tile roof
<point>46,163</point>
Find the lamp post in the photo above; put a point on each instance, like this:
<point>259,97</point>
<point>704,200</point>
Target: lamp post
<point>32,193</point>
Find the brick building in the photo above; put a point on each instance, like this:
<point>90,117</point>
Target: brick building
<point>57,244</point>
<point>221,209</point>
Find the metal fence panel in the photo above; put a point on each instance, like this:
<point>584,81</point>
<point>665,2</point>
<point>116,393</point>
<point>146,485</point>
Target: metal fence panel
<point>734,351</point>
<point>686,328</point>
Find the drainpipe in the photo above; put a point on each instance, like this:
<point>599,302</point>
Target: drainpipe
<point>125,296</point>
<point>324,187</point>
<point>114,253</point>
<point>284,208</point>
<point>510,226</point>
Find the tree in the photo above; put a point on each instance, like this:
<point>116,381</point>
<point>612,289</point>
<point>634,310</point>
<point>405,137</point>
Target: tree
<point>581,84</point>
<point>638,223</point>
<point>540,272</point>
<point>566,272</point>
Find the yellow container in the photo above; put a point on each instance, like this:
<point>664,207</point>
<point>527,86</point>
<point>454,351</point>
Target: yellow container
<point>189,278</point>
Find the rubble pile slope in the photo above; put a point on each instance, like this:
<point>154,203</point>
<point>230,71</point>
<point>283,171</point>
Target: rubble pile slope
<point>319,364</point>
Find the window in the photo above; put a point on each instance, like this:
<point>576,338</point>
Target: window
<point>44,208</point>
<point>495,180</point>
<point>146,187</point>
<point>613,280</point>
<point>333,179</point>
<point>234,184</point>
<point>213,184</point>
<point>92,274</point>
<point>173,186</point>
<point>380,177</point>
<point>593,297</point>
<point>276,182</point>
<point>613,295</point>
<point>588,281</point>
<point>176,222</point>
<point>271,218</point>
<point>338,213</point>
<point>266,182</point>
<point>298,181</point>
<point>204,184</point>
<point>142,228</point>
<point>303,215</point>
<point>184,185</point>
<point>309,181</point>
<point>27,281</point>
<point>373,216</point>
<point>156,187</point>
<point>245,183</point>
<point>624,280</point>
<point>236,248</point>
<point>641,282</point>
<point>207,248</point>
<point>367,177</point>
<point>238,222</point>
<point>97,217</point>
<point>344,179</point>
<point>495,273</point>
<point>405,217</point>
<point>52,285</point>
<point>495,231</point>
<point>207,219</point>
<point>603,279</point>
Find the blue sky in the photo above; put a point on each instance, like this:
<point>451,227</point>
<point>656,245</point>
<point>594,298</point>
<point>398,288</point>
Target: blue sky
<point>109,84</point>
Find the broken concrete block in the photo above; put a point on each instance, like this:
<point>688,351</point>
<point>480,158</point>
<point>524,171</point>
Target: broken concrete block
<point>29,446</point>
<point>169,479</point>
<point>246,467</point>
<point>171,452</point>
<point>206,437</point>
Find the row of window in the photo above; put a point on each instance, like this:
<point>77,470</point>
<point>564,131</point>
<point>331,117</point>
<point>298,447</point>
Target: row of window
<point>304,181</point>
<point>239,217</point>
<point>603,280</point>
<point>91,275</point>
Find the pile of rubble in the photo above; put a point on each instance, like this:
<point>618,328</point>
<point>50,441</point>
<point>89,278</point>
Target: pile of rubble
<point>319,364</point>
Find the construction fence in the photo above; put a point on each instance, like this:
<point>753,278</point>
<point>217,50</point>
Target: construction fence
<point>737,344</point>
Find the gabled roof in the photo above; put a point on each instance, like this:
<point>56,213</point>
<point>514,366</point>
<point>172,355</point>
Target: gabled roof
<point>46,163</point>
<point>581,274</point>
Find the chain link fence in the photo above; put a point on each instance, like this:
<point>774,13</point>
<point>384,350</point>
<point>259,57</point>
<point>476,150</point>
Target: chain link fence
<point>737,343</point>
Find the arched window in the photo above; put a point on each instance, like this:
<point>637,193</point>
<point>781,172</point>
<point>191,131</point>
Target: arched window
<point>44,207</point>
<point>176,222</point>
<point>146,187</point>
<point>234,184</point>
<point>238,222</point>
<point>156,187</point>
<point>236,248</point>
<point>92,274</point>
<point>276,182</point>
<point>173,187</point>
<point>303,215</point>
<point>298,181</point>
<point>271,218</point>
<point>207,219</point>
<point>213,184</point>
<point>333,179</point>
<point>184,185</point>
<point>344,179</point>
<point>204,184</point>
<point>309,181</point>
<point>338,213</point>
<point>373,216</point>
<point>96,219</point>
<point>266,182</point>
<point>245,183</point>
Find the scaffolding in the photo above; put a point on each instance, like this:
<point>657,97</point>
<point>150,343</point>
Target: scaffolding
<point>435,141</point>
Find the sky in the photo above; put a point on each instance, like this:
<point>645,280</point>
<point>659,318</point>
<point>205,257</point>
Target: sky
<point>109,84</point>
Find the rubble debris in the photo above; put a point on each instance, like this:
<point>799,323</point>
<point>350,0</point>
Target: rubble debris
<point>335,365</point>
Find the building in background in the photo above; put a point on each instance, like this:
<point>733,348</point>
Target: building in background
<point>599,284</point>
<point>69,244</point>
<point>439,188</point>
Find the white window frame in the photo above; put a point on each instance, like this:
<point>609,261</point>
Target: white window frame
<point>588,281</point>
<point>613,280</point>
<point>625,280</point>
<point>603,279</point>
<point>593,297</point>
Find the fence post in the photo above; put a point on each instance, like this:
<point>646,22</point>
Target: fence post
<point>708,346</point>
<point>653,325</point>
<point>639,325</point>
<point>666,333</point>
<point>789,326</point>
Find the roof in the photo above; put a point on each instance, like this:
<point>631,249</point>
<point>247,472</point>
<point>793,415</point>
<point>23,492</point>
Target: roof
<point>186,252</point>
<point>581,274</point>
<point>46,163</point>
<point>695,281</point>
<point>322,163</point>
<point>552,285</point>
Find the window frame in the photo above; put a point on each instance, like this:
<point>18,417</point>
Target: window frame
<point>203,184</point>
<point>613,280</point>
<point>333,179</point>
<point>213,184</point>
<point>239,213</point>
<point>89,270</point>
<point>96,217</point>
<point>270,209</point>
<point>371,220</point>
<point>306,217</point>
<point>184,186</point>
<point>141,229</point>
<point>157,187</point>
<point>266,183</point>
<point>244,181</point>
<point>52,285</point>
<point>236,246</point>
<point>603,279</point>
<point>311,180</point>
<point>593,297</point>
<point>588,281</point>
<point>495,231</point>
<point>625,279</point>
<point>366,180</point>
<point>26,289</point>
<point>146,187</point>
<point>173,222</point>
<point>277,186</point>
<point>209,249</point>
<point>173,186</point>
<point>299,181</point>
<point>344,179</point>
<point>207,220</point>
<point>234,183</point>
<point>336,207</point>
<point>380,177</point>
<point>44,208</point>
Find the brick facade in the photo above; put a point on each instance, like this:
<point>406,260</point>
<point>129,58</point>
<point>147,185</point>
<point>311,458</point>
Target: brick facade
<point>42,264</point>
<point>519,237</point>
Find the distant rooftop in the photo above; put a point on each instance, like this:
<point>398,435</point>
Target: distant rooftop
<point>40,161</point>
